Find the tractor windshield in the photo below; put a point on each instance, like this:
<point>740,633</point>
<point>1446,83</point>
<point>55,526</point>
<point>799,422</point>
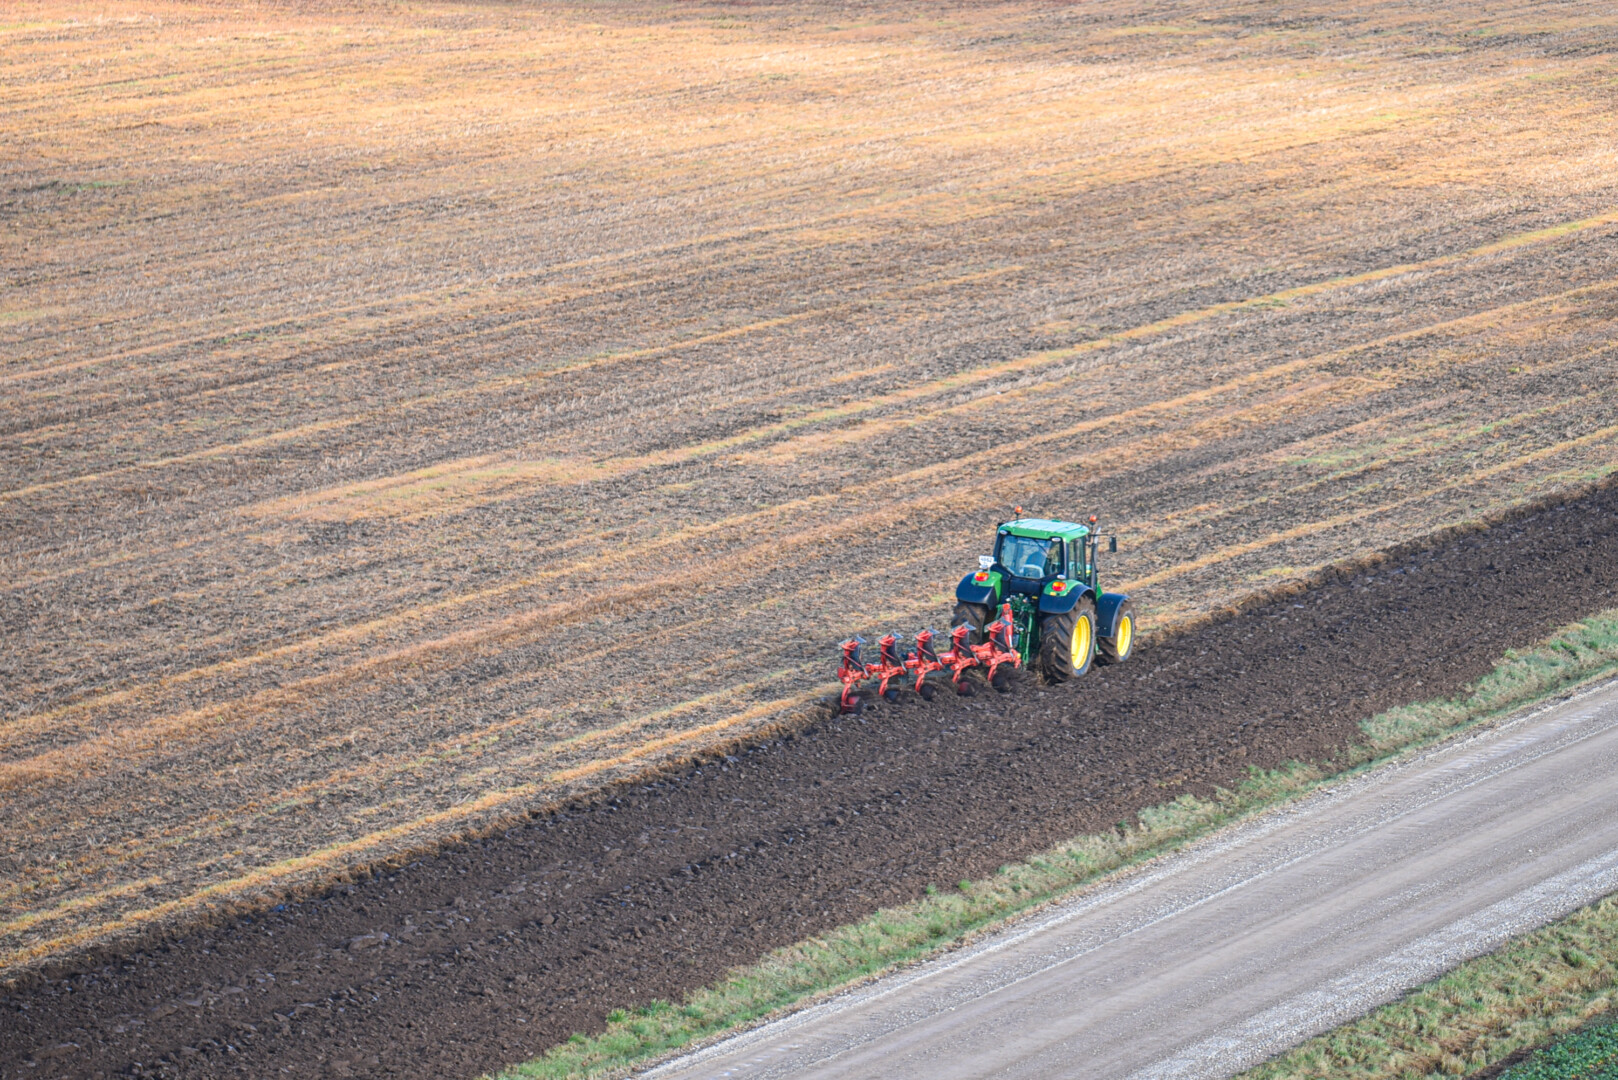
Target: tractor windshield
<point>1027,557</point>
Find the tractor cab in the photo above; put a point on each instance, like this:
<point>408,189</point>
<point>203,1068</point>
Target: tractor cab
<point>1032,553</point>
<point>1043,572</point>
<point>1029,560</point>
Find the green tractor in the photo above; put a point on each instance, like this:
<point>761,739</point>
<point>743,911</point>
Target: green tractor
<point>1046,571</point>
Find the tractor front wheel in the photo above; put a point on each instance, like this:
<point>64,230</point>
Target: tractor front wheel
<point>975,614</point>
<point>1067,642</point>
<point>1116,649</point>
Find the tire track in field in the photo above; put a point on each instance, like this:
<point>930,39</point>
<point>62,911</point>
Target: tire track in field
<point>784,511</point>
<point>904,396</point>
<point>788,435</point>
<point>783,452</point>
<point>434,398</point>
<point>551,752</point>
<point>713,243</point>
<point>145,738</point>
<point>924,477</point>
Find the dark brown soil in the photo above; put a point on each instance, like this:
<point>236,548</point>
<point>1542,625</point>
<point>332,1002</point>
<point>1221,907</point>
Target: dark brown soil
<point>491,951</point>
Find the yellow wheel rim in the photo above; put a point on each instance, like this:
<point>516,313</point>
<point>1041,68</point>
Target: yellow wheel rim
<point>1126,630</point>
<point>1081,643</point>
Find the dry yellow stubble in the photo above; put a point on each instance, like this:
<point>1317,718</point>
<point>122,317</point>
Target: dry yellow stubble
<point>414,415</point>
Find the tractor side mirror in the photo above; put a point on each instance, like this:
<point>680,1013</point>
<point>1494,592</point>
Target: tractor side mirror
<point>1112,543</point>
<point>985,561</point>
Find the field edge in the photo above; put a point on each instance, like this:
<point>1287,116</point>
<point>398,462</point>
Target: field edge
<point>789,979</point>
<point>223,907</point>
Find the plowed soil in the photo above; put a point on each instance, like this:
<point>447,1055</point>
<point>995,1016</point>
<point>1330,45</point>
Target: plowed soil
<point>489,952</point>
<point>412,415</point>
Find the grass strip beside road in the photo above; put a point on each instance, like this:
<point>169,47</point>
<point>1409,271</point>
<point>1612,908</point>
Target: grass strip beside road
<point>952,913</point>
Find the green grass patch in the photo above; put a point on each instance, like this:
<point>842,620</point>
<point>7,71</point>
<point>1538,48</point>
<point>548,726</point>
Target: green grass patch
<point>1590,1054</point>
<point>944,917</point>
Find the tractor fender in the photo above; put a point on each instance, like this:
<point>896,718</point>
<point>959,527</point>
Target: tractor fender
<point>1051,604</point>
<point>973,591</point>
<point>1107,609</point>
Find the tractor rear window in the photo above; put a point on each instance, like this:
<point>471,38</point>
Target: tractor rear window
<point>1027,557</point>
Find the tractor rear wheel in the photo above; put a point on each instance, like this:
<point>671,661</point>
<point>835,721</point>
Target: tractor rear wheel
<point>1116,649</point>
<point>1067,642</point>
<point>977,615</point>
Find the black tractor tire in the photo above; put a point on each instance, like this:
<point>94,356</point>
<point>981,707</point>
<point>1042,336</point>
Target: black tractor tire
<point>1116,649</point>
<point>1056,642</point>
<point>976,614</point>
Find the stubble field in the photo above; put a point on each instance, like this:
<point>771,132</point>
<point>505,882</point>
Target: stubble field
<point>412,415</point>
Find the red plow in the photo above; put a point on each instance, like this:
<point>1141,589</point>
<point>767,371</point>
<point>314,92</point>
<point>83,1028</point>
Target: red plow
<point>995,658</point>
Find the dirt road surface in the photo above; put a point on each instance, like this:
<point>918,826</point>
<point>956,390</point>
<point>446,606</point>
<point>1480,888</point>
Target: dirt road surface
<point>1224,955</point>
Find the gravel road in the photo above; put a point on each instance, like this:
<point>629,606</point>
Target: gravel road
<point>1213,961</point>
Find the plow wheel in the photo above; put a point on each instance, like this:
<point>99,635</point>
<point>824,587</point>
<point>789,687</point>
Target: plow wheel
<point>976,614</point>
<point>1116,649</point>
<point>1067,642</point>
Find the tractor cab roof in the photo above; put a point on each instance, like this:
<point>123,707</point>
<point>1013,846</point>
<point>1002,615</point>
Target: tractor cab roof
<point>1044,528</point>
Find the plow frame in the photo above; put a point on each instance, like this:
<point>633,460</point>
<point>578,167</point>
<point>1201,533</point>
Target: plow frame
<point>923,660</point>
<point>889,666</point>
<point>999,648</point>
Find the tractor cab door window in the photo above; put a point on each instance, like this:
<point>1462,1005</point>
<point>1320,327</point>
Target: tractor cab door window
<point>1075,565</point>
